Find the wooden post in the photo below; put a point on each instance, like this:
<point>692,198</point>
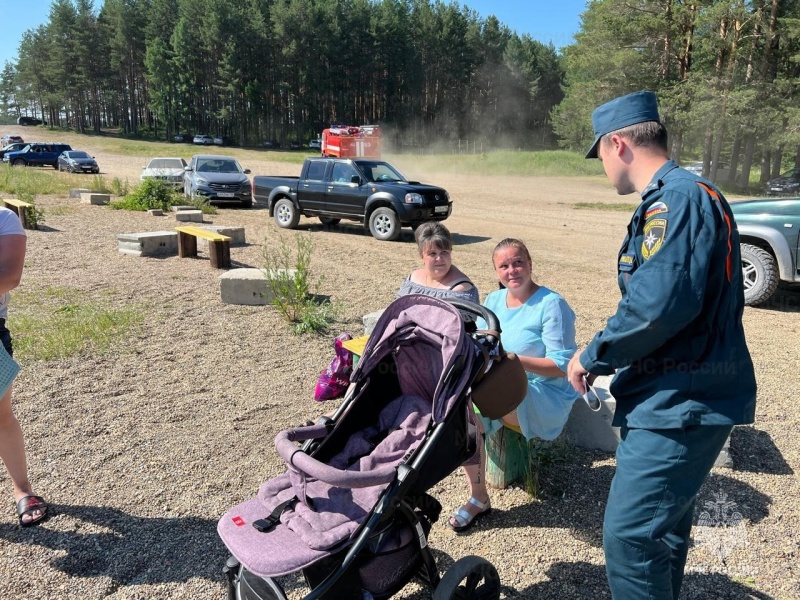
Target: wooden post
<point>507,458</point>
<point>187,245</point>
<point>23,214</point>
<point>219,252</point>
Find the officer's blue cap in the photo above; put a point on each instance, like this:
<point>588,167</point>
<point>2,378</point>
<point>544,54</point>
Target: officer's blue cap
<point>622,112</point>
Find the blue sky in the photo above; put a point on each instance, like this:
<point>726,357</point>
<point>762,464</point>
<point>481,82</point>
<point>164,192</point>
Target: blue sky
<point>543,20</point>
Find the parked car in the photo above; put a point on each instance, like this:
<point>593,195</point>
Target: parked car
<point>219,179</point>
<point>77,161</point>
<point>315,144</point>
<point>182,138</point>
<point>169,169</point>
<point>723,171</point>
<point>12,148</point>
<point>271,144</point>
<point>11,139</point>
<point>29,121</point>
<point>222,140</point>
<point>295,145</point>
<point>203,140</point>
<point>769,232</point>
<point>37,154</point>
<point>363,190</point>
<point>787,184</point>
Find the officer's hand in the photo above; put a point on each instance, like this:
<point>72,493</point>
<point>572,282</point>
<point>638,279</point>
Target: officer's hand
<point>576,373</point>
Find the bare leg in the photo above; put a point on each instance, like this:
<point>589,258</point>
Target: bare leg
<point>476,479</point>
<point>12,451</point>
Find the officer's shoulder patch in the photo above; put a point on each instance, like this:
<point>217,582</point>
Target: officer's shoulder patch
<point>654,232</point>
<point>656,208</point>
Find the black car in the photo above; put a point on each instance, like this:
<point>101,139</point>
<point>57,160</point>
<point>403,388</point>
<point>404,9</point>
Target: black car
<point>77,161</point>
<point>270,144</point>
<point>29,121</point>
<point>788,184</point>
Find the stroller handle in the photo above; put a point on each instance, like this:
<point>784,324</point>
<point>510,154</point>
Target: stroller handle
<point>299,460</point>
<point>478,310</point>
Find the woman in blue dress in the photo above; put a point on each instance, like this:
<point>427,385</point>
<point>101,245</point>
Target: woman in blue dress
<point>539,326</point>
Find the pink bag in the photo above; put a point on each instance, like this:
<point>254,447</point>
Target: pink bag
<point>333,381</point>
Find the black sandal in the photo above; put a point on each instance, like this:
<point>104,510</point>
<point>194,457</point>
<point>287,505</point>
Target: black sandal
<point>29,505</point>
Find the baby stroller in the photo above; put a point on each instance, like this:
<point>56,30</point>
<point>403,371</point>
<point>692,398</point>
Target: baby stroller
<point>352,511</point>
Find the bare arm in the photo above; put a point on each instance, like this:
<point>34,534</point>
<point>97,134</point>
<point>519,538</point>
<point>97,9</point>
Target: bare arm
<point>545,367</point>
<point>12,259</point>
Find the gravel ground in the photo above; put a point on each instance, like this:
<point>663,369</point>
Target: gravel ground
<point>141,450</point>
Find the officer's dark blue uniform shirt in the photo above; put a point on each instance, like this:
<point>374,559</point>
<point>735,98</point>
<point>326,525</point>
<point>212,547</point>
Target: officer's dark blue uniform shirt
<point>677,340</point>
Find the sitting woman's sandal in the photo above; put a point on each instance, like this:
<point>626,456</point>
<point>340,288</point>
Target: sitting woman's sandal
<point>462,520</point>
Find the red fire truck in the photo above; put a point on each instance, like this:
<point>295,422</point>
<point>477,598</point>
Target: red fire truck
<point>347,141</point>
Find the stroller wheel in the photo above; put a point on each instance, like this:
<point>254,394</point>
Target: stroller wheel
<point>470,577</point>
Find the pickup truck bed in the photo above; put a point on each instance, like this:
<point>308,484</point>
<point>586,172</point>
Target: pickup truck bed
<point>364,190</point>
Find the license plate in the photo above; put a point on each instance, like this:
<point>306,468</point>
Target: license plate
<point>440,209</point>
<point>226,194</point>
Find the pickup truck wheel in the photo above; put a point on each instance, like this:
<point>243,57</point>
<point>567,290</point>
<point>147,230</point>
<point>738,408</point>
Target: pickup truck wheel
<point>759,274</point>
<point>328,221</point>
<point>286,215</point>
<point>383,224</point>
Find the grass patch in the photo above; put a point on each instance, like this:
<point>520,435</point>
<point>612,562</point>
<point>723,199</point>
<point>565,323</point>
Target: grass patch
<point>605,206</point>
<point>152,193</point>
<point>31,181</point>
<point>545,473</point>
<point>63,322</point>
<point>293,287</point>
<point>550,163</point>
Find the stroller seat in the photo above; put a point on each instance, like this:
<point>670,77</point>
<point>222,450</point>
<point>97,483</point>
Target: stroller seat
<point>324,514</point>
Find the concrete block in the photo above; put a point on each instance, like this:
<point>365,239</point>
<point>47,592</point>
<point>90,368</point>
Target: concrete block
<point>246,286</point>
<point>589,429</point>
<point>370,320</point>
<point>151,243</point>
<point>95,198</point>
<point>76,192</point>
<point>155,212</point>
<point>724,457</point>
<point>235,233</point>
<point>180,208</point>
<point>193,216</point>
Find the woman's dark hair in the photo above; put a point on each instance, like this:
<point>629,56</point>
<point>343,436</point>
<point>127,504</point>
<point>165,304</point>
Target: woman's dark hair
<point>433,233</point>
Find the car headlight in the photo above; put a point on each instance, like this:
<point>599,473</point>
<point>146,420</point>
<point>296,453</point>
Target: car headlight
<point>201,181</point>
<point>414,198</point>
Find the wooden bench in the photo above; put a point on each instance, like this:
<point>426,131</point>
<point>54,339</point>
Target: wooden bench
<point>219,246</point>
<point>23,210</point>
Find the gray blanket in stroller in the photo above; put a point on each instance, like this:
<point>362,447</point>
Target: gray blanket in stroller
<point>337,511</point>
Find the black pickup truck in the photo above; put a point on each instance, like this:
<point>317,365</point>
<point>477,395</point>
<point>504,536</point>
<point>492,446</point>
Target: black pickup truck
<point>364,190</point>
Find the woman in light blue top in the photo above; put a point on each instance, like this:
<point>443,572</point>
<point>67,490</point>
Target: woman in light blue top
<point>539,326</point>
<point>438,276</point>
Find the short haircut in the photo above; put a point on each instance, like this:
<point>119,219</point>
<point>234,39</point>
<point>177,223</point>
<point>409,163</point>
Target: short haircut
<point>511,243</point>
<point>433,233</point>
<point>648,134</point>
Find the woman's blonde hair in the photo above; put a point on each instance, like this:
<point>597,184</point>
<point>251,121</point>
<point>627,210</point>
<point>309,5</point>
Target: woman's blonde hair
<point>433,233</point>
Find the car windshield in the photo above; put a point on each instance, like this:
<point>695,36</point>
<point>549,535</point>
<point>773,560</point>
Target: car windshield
<point>78,155</point>
<point>165,163</point>
<point>218,166</point>
<point>379,171</point>
<point>793,174</point>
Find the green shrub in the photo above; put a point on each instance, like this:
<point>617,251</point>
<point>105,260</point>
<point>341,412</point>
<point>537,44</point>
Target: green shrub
<point>545,472</point>
<point>150,193</point>
<point>35,214</point>
<point>293,287</point>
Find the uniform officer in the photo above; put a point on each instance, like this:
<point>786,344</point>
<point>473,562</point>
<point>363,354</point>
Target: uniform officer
<point>684,376</point>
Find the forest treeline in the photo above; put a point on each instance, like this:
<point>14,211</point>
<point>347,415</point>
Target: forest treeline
<point>726,73</point>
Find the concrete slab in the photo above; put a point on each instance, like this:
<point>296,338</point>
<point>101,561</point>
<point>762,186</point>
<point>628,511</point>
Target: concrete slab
<point>76,192</point>
<point>155,212</point>
<point>151,243</point>
<point>95,198</point>
<point>192,216</point>
<point>235,233</point>
<point>369,321</point>
<point>589,429</point>
<point>177,208</point>
<point>246,286</point>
